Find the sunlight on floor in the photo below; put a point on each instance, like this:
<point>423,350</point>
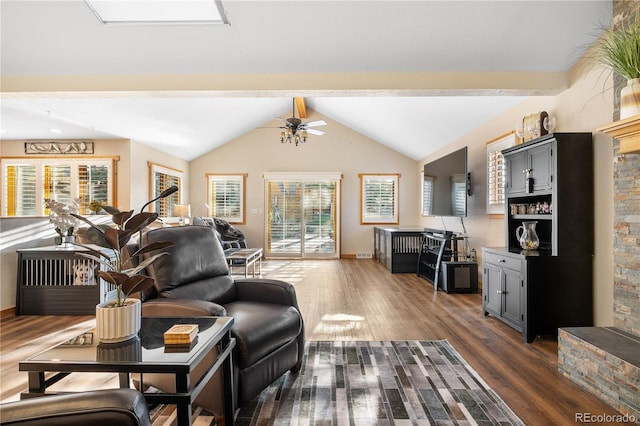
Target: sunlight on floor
<point>335,324</point>
<point>292,271</point>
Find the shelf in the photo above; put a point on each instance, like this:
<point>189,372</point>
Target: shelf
<point>627,131</point>
<point>532,216</point>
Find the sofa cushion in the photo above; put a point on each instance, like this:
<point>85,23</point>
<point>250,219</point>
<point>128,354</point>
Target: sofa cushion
<point>195,266</point>
<point>260,328</point>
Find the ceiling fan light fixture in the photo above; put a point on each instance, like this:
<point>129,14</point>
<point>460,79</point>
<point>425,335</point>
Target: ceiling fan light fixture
<point>295,131</point>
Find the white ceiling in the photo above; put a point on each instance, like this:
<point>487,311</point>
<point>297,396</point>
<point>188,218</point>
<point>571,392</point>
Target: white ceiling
<point>64,38</point>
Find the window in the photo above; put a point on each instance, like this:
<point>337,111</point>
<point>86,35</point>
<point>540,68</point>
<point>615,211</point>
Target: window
<point>226,196</point>
<point>162,178</point>
<point>28,182</point>
<point>496,172</point>
<point>427,194</point>
<point>379,198</point>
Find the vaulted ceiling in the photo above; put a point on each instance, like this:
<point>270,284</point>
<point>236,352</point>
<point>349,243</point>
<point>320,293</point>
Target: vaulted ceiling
<point>413,75</point>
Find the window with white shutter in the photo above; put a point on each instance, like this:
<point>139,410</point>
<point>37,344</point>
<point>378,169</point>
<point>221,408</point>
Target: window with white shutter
<point>28,182</point>
<point>163,178</point>
<point>379,198</point>
<point>496,172</point>
<point>427,194</point>
<point>227,196</point>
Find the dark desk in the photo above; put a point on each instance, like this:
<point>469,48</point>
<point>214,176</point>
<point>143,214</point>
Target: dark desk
<point>143,354</point>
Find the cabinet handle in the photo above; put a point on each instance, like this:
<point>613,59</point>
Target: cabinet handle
<point>499,291</point>
<point>502,260</point>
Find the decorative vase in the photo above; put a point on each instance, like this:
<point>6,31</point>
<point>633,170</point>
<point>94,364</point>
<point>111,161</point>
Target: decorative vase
<point>527,236</point>
<point>630,99</point>
<point>66,241</point>
<point>118,323</point>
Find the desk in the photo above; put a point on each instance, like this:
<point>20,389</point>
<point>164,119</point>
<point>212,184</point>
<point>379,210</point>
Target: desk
<point>143,354</point>
<point>245,258</point>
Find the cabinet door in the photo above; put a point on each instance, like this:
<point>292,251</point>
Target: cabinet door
<point>512,287</point>
<point>541,167</point>
<point>516,164</point>
<point>492,289</point>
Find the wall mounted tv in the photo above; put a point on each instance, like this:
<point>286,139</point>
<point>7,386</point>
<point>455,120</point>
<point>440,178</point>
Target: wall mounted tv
<point>446,185</point>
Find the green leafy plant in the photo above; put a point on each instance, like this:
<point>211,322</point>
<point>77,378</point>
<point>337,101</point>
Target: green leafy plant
<point>120,270</point>
<point>619,49</point>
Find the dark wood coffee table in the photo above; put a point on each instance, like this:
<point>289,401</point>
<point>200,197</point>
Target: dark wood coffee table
<point>144,354</point>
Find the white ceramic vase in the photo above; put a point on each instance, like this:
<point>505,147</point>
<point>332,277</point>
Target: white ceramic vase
<point>118,324</point>
<point>630,99</point>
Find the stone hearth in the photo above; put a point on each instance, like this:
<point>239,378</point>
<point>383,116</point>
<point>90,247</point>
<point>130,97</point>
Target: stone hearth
<point>605,361</point>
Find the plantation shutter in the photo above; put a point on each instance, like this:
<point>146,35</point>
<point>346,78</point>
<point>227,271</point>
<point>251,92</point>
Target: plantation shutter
<point>427,195</point>
<point>20,190</point>
<point>379,198</point>
<point>163,181</point>
<point>226,195</point>
<point>28,182</point>
<point>496,172</point>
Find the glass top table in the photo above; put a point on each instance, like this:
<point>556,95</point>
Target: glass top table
<point>245,258</point>
<point>145,353</point>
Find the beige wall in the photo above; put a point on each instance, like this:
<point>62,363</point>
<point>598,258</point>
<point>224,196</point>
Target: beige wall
<point>339,150</point>
<point>583,107</point>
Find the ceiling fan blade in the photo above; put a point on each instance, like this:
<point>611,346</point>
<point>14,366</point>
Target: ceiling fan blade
<point>315,132</point>
<point>316,123</point>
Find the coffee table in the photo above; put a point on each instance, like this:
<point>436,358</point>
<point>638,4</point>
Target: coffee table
<point>245,258</point>
<point>144,354</point>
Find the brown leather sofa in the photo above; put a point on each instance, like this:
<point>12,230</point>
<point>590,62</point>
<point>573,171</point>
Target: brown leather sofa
<point>194,280</point>
<point>109,407</point>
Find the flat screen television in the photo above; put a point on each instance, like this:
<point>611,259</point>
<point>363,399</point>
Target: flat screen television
<point>445,185</point>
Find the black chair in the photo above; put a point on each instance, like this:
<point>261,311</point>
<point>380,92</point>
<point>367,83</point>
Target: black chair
<point>109,407</point>
<point>194,280</point>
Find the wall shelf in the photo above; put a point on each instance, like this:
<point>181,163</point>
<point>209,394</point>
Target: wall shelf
<point>627,131</point>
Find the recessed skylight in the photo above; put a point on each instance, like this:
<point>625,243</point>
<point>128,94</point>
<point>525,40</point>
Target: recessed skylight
<point>159,11</point>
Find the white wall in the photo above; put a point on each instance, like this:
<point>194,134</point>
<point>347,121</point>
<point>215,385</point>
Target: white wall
<point>339,150</point>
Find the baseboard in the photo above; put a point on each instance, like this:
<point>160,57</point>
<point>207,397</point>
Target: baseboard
<point>8,313</point>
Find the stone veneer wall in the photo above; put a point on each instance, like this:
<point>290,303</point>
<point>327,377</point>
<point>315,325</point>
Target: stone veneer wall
<point>626,251</point>
<point>605,362</point>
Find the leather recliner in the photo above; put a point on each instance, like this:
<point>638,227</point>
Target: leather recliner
<point>123,407</point>
<point>194,280</point>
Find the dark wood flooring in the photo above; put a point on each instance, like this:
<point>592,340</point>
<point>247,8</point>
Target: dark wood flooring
<point>353,299</point>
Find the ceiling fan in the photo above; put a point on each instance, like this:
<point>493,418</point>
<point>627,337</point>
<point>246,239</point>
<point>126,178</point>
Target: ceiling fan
<point>294,129</point>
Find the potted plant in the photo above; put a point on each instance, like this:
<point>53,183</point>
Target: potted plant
<point>619,50</point>
<point>119,319</point>
<point>63,218</point>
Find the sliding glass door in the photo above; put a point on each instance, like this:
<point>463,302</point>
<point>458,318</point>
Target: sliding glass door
<point>302,215</point>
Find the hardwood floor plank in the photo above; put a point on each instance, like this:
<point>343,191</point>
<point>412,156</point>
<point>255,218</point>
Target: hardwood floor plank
<point>352,299</point>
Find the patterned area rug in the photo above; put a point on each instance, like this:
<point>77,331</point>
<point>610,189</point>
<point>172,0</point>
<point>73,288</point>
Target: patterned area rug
<point>379,383</point>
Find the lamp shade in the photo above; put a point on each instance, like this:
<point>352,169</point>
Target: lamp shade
<point>181,210</point>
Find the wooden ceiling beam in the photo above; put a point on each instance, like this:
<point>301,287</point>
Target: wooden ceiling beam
<point>301,107</point>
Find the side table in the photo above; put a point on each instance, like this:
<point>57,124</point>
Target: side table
<point>245,258</point>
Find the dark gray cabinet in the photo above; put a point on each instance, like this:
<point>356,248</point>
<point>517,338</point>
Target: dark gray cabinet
<point>503,286</point>
<point>535,164</point>
<point>538,291</point>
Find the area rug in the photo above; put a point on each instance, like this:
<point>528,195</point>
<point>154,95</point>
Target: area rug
<point>371,383</point>
<point>379,383</point>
